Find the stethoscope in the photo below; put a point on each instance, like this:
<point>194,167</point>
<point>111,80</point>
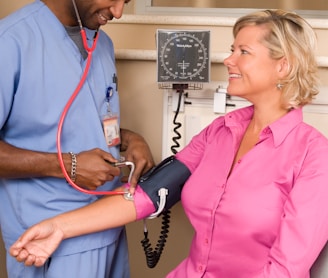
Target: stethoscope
<point>68,105</point>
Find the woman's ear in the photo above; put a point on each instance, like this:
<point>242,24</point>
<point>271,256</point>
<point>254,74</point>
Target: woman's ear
<point>282,67</point>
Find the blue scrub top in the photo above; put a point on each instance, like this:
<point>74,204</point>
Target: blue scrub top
<point>40,68</point>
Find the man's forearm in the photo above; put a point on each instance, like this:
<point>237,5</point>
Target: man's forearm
<point>21,163</point>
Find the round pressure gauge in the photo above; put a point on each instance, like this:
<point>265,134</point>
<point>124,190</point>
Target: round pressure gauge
<point>183,56</point>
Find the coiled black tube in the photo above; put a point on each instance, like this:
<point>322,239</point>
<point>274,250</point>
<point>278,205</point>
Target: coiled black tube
<point>153,255</point>
<point>177,126</point>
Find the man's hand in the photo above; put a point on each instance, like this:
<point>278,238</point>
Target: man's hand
<point>94,168</point>
<point>137,151</point>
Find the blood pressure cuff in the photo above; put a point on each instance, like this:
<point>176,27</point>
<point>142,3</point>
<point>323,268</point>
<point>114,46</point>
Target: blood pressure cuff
<point>170,174</point>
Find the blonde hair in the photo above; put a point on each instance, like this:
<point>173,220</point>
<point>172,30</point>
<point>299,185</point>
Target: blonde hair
<point>289,36</point>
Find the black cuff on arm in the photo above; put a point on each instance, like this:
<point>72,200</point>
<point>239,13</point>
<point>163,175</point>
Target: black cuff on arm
<point>170,174</point>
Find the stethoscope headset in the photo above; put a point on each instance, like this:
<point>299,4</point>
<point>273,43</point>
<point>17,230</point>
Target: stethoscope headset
<point>152,255</point>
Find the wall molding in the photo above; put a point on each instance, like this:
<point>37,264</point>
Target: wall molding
<point>229,21</point>
<point>217,21</point>
<point>216,57</point>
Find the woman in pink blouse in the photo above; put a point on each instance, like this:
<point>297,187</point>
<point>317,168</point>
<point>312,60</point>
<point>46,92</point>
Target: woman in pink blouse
<point>258,191</point>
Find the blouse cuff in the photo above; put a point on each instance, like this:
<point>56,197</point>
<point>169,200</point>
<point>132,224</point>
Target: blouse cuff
<point>143,204</point>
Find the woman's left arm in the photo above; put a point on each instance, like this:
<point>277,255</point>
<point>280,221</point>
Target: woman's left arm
<point>304,224</point>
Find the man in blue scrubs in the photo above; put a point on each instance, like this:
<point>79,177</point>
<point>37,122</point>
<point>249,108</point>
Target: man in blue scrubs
<point>42,61</point>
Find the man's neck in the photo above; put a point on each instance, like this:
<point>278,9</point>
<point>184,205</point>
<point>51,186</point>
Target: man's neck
<point>63,10</point>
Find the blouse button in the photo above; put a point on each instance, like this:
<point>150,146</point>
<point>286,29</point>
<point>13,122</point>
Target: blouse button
<point>266,130</point>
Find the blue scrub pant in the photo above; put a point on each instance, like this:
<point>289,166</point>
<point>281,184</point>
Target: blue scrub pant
<point>108,262</point>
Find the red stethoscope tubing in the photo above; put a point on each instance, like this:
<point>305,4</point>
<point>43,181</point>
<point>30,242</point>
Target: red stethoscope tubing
<point>63,116</point>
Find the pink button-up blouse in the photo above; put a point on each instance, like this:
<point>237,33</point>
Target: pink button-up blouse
<point>269,217</point>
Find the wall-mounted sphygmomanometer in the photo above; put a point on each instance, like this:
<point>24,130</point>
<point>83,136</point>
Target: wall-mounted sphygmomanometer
<point>183,62</point>
<point>183,56</point>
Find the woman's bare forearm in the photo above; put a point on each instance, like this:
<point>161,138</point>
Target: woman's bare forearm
<point>38,242</point>
<point>108,212</point>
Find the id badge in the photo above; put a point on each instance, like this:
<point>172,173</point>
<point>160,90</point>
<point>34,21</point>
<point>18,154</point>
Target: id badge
<point>111,130</point>
<point>111,122</point>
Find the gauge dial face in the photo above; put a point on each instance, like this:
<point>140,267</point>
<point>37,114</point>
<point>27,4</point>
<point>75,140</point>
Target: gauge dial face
<point>183,56</point>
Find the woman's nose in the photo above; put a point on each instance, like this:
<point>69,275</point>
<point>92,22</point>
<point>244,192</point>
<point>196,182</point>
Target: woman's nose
<point>229,60</point>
